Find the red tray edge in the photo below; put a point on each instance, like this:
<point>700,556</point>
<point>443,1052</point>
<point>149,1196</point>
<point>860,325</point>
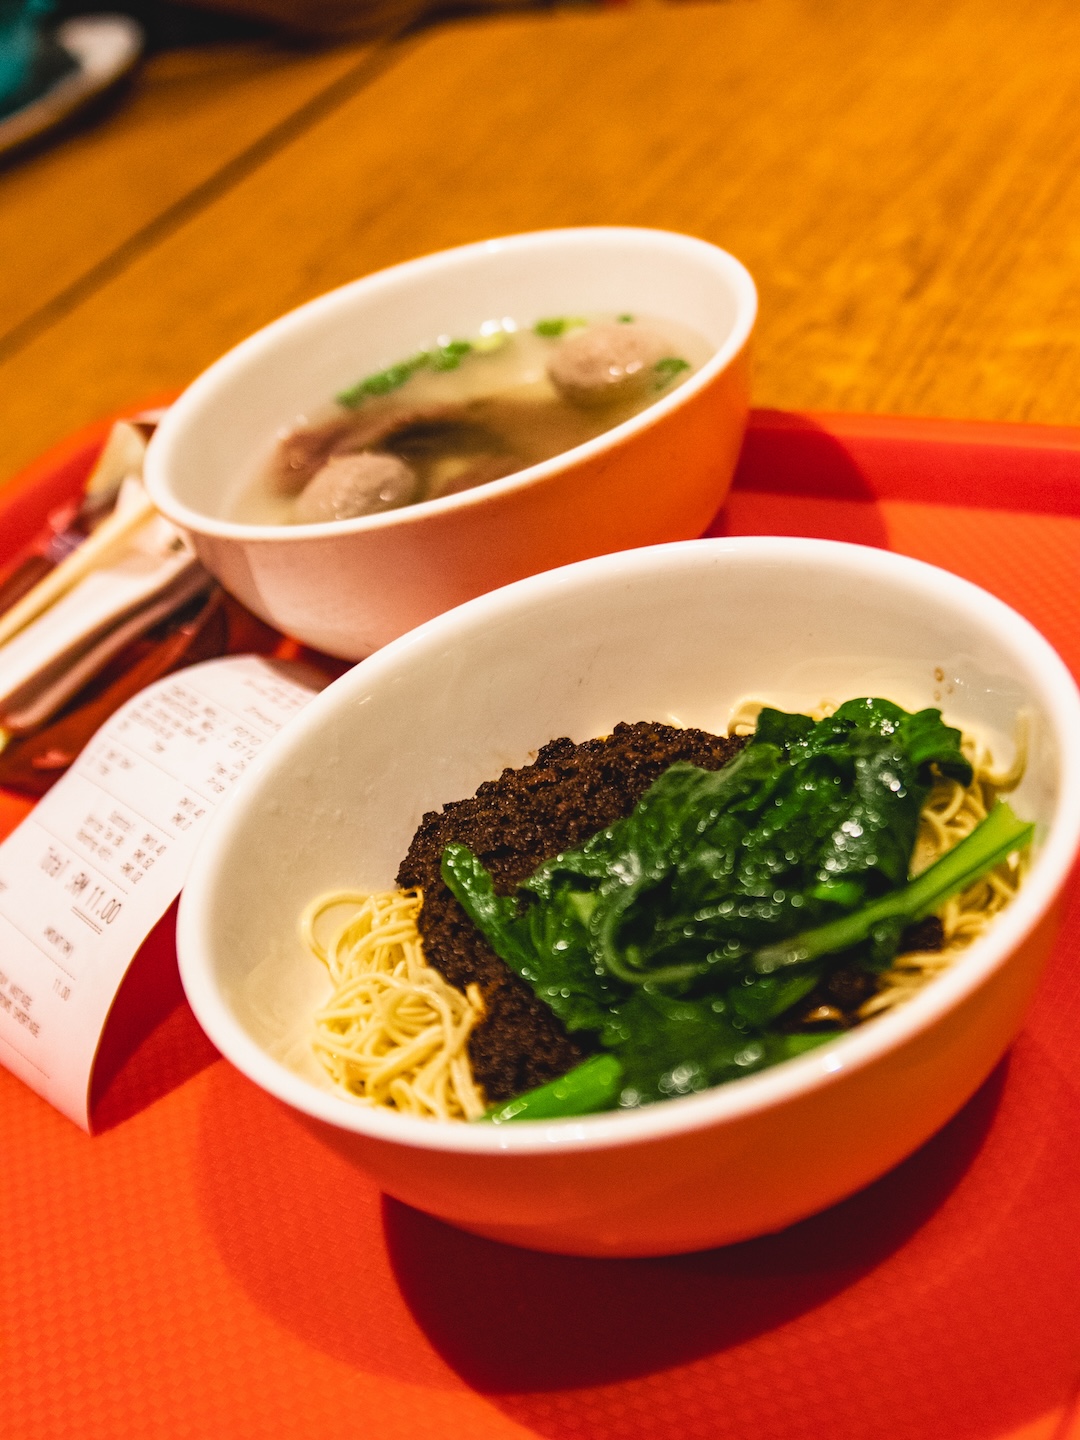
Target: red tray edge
<point>986,464</point>
<point>983,464</point>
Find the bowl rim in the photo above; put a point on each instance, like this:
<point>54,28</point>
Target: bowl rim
<point>720,1104</point>
<point>172,430</point>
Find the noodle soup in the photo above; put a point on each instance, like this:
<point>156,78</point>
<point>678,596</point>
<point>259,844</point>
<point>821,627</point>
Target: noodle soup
<point>463,412</point>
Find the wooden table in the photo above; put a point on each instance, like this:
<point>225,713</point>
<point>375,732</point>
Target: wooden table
<point>901,176</point>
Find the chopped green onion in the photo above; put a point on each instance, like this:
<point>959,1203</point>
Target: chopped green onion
<point>384,381</point>
<point>668,368</point>
<point>450,355</point>
<point>488,344</point>
<point>553,328</point>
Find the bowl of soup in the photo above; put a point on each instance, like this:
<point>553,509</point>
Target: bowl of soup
<point>450,425</point>
<point>581,678</point>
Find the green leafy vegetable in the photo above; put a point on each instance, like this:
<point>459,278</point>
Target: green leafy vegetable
<point>680,934</point>
<point>673,1045</point>
<point>593,1085</point>
<point>992,841</point>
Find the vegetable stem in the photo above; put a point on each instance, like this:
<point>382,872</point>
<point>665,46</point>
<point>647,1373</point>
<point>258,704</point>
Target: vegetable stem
<point>592,1085</point>
<point>989,843</point>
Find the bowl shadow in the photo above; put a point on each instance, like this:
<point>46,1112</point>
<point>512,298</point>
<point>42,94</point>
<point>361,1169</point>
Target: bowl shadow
<point>942,1300</point>
<point>152,1043</point>
<point>511,1321</point>
<point>796,478</point>
<point>315,1246</point>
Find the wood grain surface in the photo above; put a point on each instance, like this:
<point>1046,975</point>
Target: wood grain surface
<point>187,115</point>
<point>901,177</point>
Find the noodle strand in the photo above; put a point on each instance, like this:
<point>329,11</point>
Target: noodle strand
<point>394,1032</point>
<point>952,812</point>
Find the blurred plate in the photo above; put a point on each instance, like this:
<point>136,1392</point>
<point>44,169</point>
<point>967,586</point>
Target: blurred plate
<point>104,48</point>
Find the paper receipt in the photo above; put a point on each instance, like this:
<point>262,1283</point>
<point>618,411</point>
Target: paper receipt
<point>87,875</point>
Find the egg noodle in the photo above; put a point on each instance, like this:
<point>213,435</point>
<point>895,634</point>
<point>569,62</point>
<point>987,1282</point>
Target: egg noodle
<point>393,1033</point>
<point>951,812</point>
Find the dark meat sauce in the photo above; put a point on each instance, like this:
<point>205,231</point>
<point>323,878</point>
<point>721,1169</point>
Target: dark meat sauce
<point>513,824</point>
<point>836,1002</point>
<point>528,815</point>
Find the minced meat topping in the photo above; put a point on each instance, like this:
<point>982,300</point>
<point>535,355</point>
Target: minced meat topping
<point>512,824</point>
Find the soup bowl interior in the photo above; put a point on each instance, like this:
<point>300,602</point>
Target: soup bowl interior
<point>218,435</point>
<point>350,586</point>
<point>679,634</point>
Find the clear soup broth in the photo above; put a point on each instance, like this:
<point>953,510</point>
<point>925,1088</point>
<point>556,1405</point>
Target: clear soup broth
<point>467,412</point>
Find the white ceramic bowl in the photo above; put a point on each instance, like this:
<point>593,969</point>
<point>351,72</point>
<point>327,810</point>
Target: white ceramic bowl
<point>349,586</point>
<point>675,633</point>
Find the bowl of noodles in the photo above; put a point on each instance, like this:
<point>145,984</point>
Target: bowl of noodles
<point>492,914</point>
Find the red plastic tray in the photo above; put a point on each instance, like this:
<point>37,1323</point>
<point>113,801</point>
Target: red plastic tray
<point>204,1268</point>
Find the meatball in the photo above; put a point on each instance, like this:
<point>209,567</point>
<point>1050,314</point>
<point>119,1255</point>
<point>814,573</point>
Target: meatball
<point>352,485</point>
<point>606,362</point>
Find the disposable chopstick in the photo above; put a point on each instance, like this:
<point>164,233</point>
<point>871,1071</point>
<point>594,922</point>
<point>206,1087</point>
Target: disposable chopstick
<point>133,509</point>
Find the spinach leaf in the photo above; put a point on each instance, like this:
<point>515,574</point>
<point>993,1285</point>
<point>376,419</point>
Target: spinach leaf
<point>546,945</point>
<point>991,842</point>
